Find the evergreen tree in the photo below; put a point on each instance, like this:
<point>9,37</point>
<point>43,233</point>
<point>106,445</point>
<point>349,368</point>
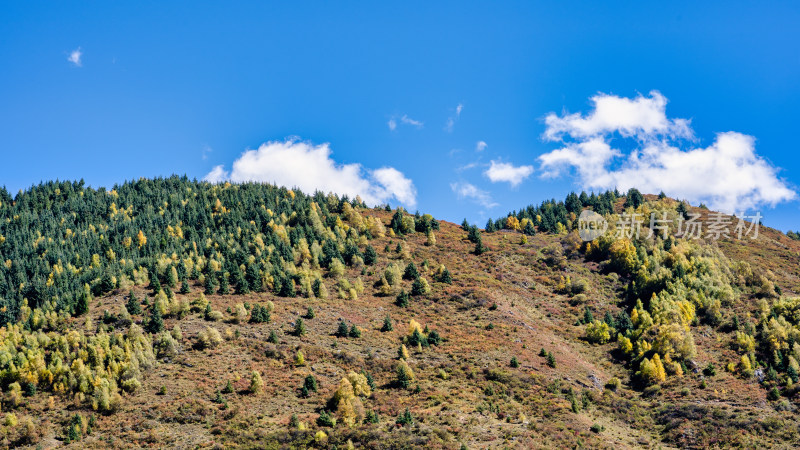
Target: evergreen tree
<point>402,299</point>
<point>133,305</point>
<point>154,283</point>
<point>342,330</point>
<point>405,418</point>
<point>209,284</point>
<point>634,198</point>
<point>172,278</point>
<point>370,255</point>
<point>156,322</point>
<point>445,277</point>
<point>299,327</point>
<point>387,324</point>
<point>82,305</point>
<point>310,383</point>
<point>529,229</point>
<point>411,272</point>
<point>224,286</point>
<point>184,287</point>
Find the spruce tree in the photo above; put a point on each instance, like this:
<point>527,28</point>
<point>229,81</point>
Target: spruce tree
<point>82,305</point>
<point>156,322</point>
<point>133,305</point>
<point>411,272</point>
<point>209,284</point>
<point>387,324</point>
<point>224,286</point>
<point>342,331</point>
<point>402,299</point>
<point>445,277</point>
<point>184,287</point>
<point>370,255</point>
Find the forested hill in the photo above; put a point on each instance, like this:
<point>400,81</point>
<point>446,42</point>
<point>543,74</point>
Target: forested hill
<point>58,238</point>
<point>176,313</point>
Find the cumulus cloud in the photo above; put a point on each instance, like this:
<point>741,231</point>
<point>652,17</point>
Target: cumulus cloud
<point>469,191</point>
<point>500,171</point>
<point>310,168</point>
<point>75,57</point>
<point>217,175</point>
<point>728,175</point>
<point>640,117</point>
<point>405,120</point>
<point>481,146</point>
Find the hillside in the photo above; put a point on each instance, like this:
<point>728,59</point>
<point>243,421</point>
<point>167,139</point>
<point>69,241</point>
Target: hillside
<point>172,313</point>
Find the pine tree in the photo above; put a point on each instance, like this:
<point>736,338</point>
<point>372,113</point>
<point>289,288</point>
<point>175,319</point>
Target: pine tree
<point>405,418</point>
<point>310,383</point>
<point>402,299</point>
<point>479,248</point>
<point>370,255</point>
<point>342,331</point>
<point>354,332</point>
<point>156,322</point>
<point>172,277</point>
<point>411,272</point>
<point>299,327</point>
<point>273,337</point>
<point>445,277</point>
<point>209,284</point>
<point>184,287</point>
<point>325,419</point>
<point>133,305</point>
<point>224,286</point>
<point>82,306</point>
<point>387,324</point>
<point>154,283</point>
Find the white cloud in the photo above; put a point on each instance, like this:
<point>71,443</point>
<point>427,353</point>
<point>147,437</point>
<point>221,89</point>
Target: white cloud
<point>481,146</point>
<point>309,167</point>
<point>451,121</point>
<point>409,121</point>
<point>471,165</point>
<point>405,120</point>
<point>75,57</point>
<point>728,175</point>
<point>500,171</point>
<point>217,175</point>
<point>640,117</point>
<point>466,190</point>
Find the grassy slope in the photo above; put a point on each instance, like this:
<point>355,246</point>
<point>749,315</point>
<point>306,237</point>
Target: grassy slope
<point>519,408</point>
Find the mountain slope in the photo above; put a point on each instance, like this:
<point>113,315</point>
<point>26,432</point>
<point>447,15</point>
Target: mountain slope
<point>523,298</point>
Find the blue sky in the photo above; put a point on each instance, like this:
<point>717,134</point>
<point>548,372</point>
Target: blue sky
<point>184,87</point>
